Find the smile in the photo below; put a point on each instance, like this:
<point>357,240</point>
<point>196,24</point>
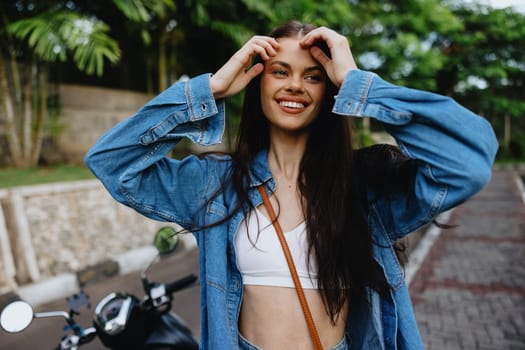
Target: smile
<point>292,104</point>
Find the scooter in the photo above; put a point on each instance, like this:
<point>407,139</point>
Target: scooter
<point>121,321</point>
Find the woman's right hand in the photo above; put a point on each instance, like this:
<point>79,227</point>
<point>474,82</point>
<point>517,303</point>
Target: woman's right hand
<point>235,74</point>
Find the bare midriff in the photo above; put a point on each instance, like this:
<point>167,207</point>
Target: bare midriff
<point>272,319</point>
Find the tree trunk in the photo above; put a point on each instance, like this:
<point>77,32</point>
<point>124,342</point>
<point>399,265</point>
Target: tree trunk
<point>17,85</point>
<point>41,116</point>
<point>13,140</point>
<point>28,112</point>
<point>506,135</point>
<point>163,69</point>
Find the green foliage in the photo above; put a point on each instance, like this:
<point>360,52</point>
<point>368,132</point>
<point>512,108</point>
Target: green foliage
<point>332,13</point>
<point>472,53</point>
<point>261,8</point>
<point>54,33</point>
<point>485,71</point>
<point>12,177</point>
<point>397,39</point>
<point>134,10</point>
<point>144,14</point>
<point>235,32</point>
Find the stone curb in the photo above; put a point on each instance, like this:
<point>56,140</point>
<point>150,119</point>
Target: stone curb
<point>66,284</point>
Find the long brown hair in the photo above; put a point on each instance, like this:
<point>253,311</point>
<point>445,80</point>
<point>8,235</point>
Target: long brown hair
<point>332,183</point>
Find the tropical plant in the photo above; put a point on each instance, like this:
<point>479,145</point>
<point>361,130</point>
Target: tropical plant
<point>152,19</point>
<point>485,70</point>
<point>33,43</point>
<point>44,33</point>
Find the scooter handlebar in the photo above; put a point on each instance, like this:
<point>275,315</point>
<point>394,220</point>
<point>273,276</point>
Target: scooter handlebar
<point>180,284</point>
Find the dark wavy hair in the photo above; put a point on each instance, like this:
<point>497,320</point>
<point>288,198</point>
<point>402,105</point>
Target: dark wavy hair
<point>334,181</point>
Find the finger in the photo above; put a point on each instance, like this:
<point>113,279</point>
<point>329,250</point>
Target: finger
<point>317,34</point>
<point>254,71</point>
<point>261,51</point>
<point>320,56</point>
<point>266,48</point>
<point>272,42</point>
<point>254,46</point>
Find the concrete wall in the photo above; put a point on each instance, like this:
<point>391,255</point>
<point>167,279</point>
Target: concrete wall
<point>7,264</point>
<point>87,112</point>
<point>57,229</point>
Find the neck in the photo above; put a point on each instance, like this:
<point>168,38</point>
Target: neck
<point>285,154</point>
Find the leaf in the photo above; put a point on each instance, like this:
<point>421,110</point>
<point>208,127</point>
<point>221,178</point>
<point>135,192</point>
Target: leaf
<point>238,33</point>
<point>133,9</point>
<point>54,34</point>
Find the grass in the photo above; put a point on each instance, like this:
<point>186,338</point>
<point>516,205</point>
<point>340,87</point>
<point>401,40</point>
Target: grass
<point>11,177</point>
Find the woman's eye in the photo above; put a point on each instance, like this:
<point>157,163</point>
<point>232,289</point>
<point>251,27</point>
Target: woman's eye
<point>280,72</point>
<point>314,77</point>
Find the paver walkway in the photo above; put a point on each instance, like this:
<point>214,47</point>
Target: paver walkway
<point>469,293</point>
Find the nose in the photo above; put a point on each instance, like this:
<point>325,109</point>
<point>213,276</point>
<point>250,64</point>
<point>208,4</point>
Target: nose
<point>295,84</point>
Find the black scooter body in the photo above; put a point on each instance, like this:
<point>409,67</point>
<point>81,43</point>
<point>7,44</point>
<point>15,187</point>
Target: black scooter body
<point>165,333</point>
<point>151,331</point>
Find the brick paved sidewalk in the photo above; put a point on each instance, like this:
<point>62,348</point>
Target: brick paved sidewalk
<point>469,293</point>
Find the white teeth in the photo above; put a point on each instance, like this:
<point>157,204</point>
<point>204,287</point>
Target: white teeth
<point>291,104</point>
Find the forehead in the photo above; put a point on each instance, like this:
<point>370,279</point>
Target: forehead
<point>292,53</point>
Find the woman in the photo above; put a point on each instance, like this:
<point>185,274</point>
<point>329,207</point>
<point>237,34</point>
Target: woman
<point>342,209</point>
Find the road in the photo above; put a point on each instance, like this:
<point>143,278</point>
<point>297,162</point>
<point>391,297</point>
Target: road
<point>45,334</point>
<point>470,290</point>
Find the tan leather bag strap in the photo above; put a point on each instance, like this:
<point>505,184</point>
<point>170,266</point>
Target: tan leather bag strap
<point>299,289</point>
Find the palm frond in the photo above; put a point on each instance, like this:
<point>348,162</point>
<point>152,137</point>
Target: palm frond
<point>160,8</point>
<point>54,34</point>
<point>135,10</point>
<point>261,7</point>
<point>238,33</point>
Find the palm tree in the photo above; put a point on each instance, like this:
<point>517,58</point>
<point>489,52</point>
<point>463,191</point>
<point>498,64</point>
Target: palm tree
<point>58,33</point>
<point>32,44</point>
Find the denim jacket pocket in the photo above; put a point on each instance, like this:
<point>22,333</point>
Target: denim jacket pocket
<point>215,210</point>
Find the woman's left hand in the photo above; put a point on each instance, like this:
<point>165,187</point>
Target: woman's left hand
<point>342,60</point>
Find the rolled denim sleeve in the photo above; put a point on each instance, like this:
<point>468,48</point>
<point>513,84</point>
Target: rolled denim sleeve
<point>131,158</point>
<point>454,148</point>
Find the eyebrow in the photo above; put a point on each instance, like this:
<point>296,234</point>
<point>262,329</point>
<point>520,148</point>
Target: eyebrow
<point>306,70</point>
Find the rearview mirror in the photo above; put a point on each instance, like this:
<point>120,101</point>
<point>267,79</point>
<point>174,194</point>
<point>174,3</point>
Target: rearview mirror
<point>166,240</point>
<point>16,316</point>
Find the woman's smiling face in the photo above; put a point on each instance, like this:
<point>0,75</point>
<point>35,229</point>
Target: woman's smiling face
<point>293,85</point>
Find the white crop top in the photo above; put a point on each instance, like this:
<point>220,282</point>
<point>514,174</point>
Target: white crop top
<point>261,260</point>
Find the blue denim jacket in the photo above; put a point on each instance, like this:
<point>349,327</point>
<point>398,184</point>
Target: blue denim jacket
<point>454,149</point>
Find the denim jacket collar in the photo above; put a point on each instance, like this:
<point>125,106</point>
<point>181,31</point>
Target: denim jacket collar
<point>260,172</point>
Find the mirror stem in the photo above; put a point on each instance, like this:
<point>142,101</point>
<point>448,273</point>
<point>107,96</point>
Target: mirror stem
<point>143,275</point>
<point>53,314</point>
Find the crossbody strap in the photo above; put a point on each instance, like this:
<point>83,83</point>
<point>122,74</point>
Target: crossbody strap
<point>298,288</point>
